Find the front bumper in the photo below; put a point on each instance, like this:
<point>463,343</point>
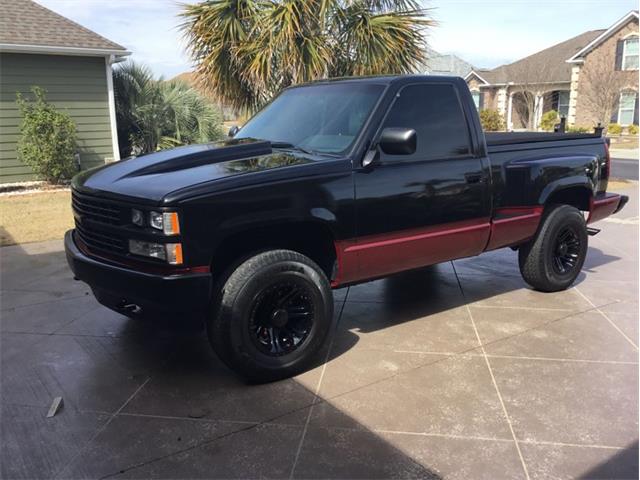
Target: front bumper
<point>133,292</point>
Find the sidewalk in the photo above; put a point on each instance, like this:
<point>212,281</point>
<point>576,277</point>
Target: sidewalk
<point>627,153</point>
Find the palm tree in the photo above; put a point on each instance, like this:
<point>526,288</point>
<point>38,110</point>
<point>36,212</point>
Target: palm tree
<point>153,114</point>
<point>247,50</point>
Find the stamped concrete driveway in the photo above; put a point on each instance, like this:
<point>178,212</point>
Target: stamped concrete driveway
<point>454,371</point>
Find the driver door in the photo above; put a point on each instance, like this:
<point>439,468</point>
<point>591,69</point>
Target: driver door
<point>426,207</point>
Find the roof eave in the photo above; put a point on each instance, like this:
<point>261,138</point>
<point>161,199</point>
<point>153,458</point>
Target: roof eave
<point>604,35</point>
<point>60,50</point>
<point>473,72</point>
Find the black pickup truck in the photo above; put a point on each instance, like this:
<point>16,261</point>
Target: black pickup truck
<point>332,183</point>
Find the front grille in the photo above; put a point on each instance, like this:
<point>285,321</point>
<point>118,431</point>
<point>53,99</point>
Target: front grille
<point>96,210</point>
<point>101,240</point>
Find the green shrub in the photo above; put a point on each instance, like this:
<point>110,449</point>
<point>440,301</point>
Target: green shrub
<point>632,129</point>
<point>549,120</point>
<point>47,141</point>
<point>614,129</point>
<point>575,129</point>
<point>491,120</point>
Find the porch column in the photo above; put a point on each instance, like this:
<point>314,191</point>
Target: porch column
<point>502,101</point>
<point>539,106</point>
<point>509,113</point>
<point>573,95</point>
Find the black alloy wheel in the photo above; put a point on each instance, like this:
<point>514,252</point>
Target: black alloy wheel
<point>566,251</point>
<point>281,318</point>
<point>271,315</point>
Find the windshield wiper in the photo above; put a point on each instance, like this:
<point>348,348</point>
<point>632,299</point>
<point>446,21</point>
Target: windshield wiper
<point>291,146</point>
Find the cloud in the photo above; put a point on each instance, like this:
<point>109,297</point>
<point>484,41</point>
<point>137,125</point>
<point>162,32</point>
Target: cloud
<point>147,28</point>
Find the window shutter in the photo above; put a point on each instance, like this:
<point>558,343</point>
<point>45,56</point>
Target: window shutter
<point>614,114</point>
<point>619,50</point>
<point>635,112</point>
<point>481,101</point>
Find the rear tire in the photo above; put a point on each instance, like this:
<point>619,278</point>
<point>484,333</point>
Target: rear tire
<point>274,313</point>
<point>552,260</point>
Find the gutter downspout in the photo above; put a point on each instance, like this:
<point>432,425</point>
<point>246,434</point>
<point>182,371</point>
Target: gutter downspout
<point>109,60</point>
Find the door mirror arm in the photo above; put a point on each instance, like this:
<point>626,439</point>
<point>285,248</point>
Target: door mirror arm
<point>233,131</point>
<point>371,157</point>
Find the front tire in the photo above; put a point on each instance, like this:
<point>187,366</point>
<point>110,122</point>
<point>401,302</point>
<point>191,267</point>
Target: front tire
<point>273,317</point>
<point>553,259</point>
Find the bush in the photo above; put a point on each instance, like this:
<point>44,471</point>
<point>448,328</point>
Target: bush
<point>549,120</point>
<point>633,129</point>
<point>491,120</point>
<point>575,129</point>
<point>47,141</point>
<point>614,129</point>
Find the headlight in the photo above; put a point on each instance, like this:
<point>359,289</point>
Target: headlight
<point>165,221</point>
<point>169,252</point>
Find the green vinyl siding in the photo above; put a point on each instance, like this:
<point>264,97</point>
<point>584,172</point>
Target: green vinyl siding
<point>77,85</point>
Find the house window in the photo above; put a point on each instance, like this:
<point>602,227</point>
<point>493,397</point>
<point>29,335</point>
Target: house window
<point>563,103</point>
<point>626,109</point>
<point>630,54</point>
<point>476,99</point>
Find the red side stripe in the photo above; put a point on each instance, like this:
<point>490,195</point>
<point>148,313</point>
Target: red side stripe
<point>379,255</point>
<point>513,225</point>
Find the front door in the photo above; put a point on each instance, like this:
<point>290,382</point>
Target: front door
<point>427,207</point>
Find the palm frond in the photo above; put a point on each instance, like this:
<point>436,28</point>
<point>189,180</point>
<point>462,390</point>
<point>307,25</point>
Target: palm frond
<point>245,51</point>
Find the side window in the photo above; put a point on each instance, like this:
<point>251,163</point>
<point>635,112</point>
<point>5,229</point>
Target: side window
<point>435,113</point>
<point>630,54</point>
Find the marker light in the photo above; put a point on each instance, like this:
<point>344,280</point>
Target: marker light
<point>169,252</point>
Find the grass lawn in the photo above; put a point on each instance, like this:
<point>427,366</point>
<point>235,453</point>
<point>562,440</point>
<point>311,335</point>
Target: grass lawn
<point>34,217</point>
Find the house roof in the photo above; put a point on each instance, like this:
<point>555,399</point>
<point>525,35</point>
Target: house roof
<point>29,27</point>
<point>547,66</point>
<point>445,64</point>
<point>577,57</point>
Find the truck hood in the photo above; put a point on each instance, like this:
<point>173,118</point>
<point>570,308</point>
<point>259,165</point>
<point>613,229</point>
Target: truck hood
<point>154,176</point>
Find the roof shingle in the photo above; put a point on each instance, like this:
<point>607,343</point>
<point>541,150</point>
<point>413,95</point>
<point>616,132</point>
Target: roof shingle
<point>548,65</point>
<point>23,22</point>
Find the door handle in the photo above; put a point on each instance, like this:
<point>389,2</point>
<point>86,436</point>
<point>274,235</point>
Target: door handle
<point>474,178</point>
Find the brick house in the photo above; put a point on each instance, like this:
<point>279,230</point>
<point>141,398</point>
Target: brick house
<point>589,79</point>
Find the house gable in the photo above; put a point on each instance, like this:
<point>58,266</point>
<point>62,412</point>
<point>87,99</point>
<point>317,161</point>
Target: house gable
<point>624,21</point>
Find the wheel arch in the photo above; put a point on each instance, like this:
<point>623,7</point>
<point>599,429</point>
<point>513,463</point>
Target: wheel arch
<point>311,238</point>
<point>578,195</point>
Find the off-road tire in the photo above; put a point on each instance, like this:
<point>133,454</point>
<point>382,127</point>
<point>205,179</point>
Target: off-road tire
<point>536,258</point>
<point>230,326</point>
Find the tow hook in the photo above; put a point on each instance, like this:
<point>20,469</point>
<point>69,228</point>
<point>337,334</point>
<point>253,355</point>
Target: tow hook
<point>130,308</point>
<point>593,231</point>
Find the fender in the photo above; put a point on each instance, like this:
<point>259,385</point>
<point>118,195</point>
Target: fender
<point>542,177</point>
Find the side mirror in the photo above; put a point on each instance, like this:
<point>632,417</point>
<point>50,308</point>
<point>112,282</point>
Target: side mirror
<point>398,141</point>
<point>233,130</point>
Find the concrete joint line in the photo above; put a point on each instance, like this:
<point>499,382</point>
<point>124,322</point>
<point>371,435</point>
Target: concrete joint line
<point>317,390</point>
<point>606,318</point>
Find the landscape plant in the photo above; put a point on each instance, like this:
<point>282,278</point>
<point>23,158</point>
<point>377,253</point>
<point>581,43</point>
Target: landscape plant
<point>549,120</point>
<point>245,51</point>
<point>491,120</point>
<point>47,139</point>
<point>614,129</point>
<point>153,114</point>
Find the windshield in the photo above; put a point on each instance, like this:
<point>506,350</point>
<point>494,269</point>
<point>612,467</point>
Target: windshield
<point>323,118</point>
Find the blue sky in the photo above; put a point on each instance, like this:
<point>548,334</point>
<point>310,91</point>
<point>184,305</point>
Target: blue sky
<point>486,33</point>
